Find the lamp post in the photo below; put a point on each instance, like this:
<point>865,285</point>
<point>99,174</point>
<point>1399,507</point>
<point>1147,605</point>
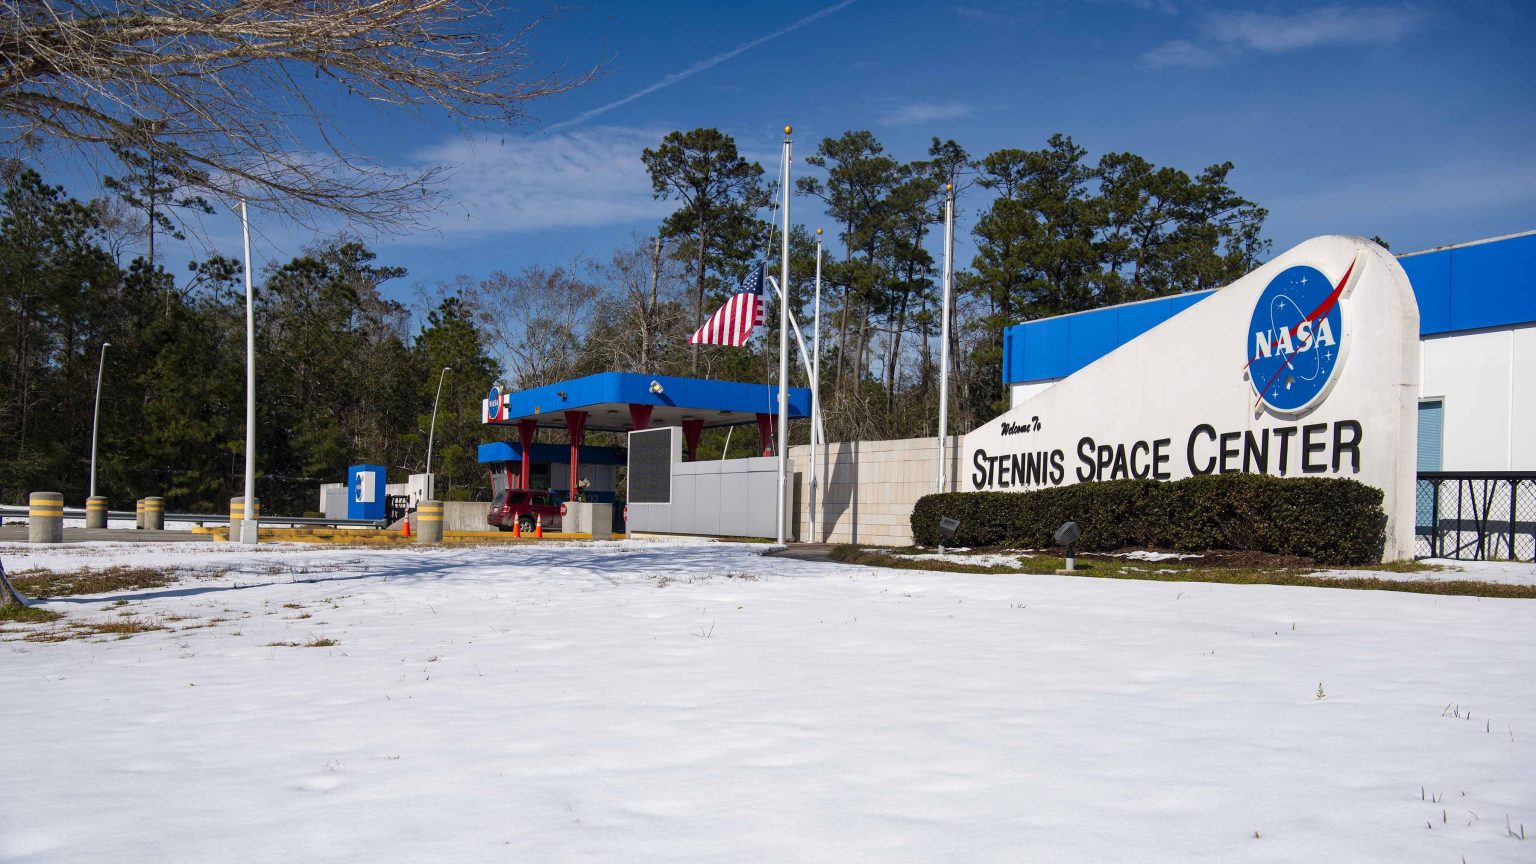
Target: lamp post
<point>432,432</point>
<point>101,369</point>
<point>248,524</point>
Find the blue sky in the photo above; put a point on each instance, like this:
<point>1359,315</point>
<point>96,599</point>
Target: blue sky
<point>1409,120</point>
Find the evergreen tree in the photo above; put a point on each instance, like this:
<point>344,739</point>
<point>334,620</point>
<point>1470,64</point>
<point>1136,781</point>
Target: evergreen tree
<point>720,192</point>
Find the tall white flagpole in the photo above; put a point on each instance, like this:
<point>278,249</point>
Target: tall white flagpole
<point>248,526</point>
<point>949,274</point>
<point>816,395</point>
<point>784,346</point>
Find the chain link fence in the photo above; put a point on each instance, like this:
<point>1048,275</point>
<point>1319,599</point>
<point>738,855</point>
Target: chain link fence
<point>1476,516</point>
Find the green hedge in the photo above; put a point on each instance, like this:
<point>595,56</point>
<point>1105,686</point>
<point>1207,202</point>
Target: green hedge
<point>1330,520</point>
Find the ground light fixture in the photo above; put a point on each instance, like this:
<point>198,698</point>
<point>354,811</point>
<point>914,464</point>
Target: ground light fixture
<point>947,529</point>
<point>1067,536</point>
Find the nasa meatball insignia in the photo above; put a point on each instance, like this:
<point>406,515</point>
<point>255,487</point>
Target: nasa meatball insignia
<point>1296,327</point>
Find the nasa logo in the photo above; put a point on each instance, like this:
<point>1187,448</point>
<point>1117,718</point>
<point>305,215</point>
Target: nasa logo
<point>494,406</point>
<point>1295,338</point>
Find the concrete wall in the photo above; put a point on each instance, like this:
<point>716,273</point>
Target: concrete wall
<point>869,488</point>
<point>1484,379</point>
<point>1170,401</point>
<point>466,515</point>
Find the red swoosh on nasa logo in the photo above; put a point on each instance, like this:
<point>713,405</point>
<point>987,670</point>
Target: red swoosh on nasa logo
<point>1322,309</point>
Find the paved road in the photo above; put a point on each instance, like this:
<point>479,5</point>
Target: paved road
<point>18,533</point>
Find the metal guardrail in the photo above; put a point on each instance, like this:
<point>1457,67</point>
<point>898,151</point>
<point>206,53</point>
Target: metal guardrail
<point>1476,515</point>
<point>8,510</point>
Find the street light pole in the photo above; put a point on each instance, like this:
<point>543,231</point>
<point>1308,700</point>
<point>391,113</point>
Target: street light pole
<point>432,432</point>
<point>96,415</point>
<point>949,276</point>
<point>248,525</point>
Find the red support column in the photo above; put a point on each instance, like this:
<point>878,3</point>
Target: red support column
<point>767,432</point>
<point>576,426</point>
<point>692,428</point>
<point>640,416</point>
<point>525,432</point>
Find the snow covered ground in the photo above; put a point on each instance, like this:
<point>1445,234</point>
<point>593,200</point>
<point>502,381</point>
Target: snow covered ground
<point>638,702</point>
<point>1501,572</point>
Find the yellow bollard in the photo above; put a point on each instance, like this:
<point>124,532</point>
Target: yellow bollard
<point>45,517</point>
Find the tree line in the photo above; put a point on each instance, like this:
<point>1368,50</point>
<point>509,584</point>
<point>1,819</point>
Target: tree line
<point>348,375</point>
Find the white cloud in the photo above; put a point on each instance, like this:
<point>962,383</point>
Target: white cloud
<point>1429,193</point>
<point>1328,25</point>
<point>919,113</point>
<point>574,179</point>
<point>1229,34</point>
<point>1181,52</point>
<point>1166,7</point>
<point>983,15</point>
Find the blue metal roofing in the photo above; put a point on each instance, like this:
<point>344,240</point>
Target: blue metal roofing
<point>605,397</point>
<point>1469,287</point>
<point>502,451</point>
<point>1057,347</point>
<point>1466,287</point>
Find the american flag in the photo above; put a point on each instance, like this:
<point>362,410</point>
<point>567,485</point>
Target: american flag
<point>734,322</point>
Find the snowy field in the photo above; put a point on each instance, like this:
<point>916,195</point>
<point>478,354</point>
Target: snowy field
<point>662,702</point>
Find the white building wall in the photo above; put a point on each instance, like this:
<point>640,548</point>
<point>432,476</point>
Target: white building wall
<point>1485,379</point>
<point>1021,392</point>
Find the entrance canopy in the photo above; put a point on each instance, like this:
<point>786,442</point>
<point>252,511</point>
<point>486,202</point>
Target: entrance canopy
<point>607,403</point>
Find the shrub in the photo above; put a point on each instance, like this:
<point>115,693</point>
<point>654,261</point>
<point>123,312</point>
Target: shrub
<point>1330,520</point>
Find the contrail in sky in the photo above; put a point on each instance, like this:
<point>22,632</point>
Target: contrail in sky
<point>698,67</point>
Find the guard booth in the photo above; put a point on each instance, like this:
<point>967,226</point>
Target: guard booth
<point>550,470</point>
<point>627,403</point>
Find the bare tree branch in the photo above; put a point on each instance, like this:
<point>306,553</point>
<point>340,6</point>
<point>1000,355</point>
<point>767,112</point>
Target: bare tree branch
<point>231,87</point>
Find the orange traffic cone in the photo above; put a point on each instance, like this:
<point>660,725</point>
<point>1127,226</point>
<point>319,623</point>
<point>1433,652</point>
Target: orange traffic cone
<point>405,527</point>
<point>538,528</point>
<point>517,527</point>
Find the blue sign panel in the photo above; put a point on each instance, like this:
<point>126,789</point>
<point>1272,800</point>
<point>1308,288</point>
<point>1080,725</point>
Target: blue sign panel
<point>365,492</point>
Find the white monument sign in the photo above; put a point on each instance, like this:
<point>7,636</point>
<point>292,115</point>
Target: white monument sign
<point>1306,367</point>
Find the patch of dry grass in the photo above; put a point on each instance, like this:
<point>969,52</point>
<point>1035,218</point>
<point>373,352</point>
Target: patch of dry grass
<point>313,643</point>
<point>19,614</point>
<point>39,582</point>
<point>123,628</point>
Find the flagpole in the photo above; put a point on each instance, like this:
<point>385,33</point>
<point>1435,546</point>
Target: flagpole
<point>815,393</point>
<point>784,345</point>
<point>949,272</point>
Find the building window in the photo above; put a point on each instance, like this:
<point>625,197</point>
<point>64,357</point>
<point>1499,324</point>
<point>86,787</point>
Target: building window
<point>1431,433</point>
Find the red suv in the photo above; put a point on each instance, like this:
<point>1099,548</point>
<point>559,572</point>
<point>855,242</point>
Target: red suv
<point>522,506</point>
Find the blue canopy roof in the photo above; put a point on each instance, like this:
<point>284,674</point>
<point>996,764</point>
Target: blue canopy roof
<point>606,398</point>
